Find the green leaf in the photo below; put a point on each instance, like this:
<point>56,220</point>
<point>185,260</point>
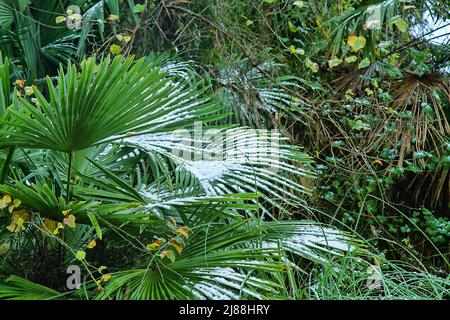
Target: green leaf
<point>115,49</point>
<point>364,63</point>
<point>356,43</point>
<point>333,62</point>
<point>139,8</point>
<point>105,102</point>
<point>4,248</point>
<point>299,4</point>
<point>351,59</point>
<point>95,224</point>
<point>81,255</point>
<point>292,27</point>
<point>295,50</point>
<point>60,19</point>
<point>400,23</point>
<point>314,67</point>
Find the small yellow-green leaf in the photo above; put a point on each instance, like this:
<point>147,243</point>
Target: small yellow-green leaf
<point>70,221</point>
<point>299,4</point>
<point>60,19</point>
<point>92,244</point>
<point>6,200</point>
<point>292,27</point>
<point>295,50</point>
<point>29,91</point>
<point>351,59</point>
<point>101,269</point>
<point>356,43</point>
<point>113,17</point>
<point>115,49</point>
<point>81,255</point>
<point>106,277</point>
<point>16,203</point>
<point>333,62</point>
<point>139,8</point>
<point>400,23</point>
<point>4,248</point>
<point>364,63</point>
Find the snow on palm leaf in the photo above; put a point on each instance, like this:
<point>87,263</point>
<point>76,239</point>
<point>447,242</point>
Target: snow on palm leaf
<point>255,161</point>
<point>227,284</point>
<point>248,89</point>
<point>238,160</point>
<point>308,239</point>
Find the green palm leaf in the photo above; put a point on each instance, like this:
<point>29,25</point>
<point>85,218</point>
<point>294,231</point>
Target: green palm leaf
<point>102,103</point>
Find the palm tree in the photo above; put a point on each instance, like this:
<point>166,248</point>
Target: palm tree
<point>33,38</point>
<point>97,165</point>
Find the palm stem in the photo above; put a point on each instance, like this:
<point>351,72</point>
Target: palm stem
<point>69,173</point>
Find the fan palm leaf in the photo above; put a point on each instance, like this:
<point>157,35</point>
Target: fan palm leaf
<point>103,103</point>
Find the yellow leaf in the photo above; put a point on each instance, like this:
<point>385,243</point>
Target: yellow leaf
<point>155,245</point>
<point>16,224</point>
<point>49,225</point>
<point>66,212</point>
<point>92,244</point>
<point>113,17</point>
<point>115,49</point>
<point>6,200</point>
<point>22,214</point>
<point>183,232</point>
<point>77,17</point>
<point>16,203</point>
<point>4,248</point>
<point>56,231</point>
<point>20,83</point>
<point>177,246</point>
<point>356,43</point>
<point>369,91</point>
<point>101,269</point>
<point>106,277</point>
<point>81,255</point>
<point>127,39</point>
<point>60,19</point>
<point>70,221</point>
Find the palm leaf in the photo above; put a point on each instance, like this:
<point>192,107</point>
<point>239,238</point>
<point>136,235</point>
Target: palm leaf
<point>103,103</point>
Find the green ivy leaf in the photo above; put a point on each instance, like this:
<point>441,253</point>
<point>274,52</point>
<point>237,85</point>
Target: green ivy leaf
<point>138,8</point>
<point>400,23</point>
<point>333,62</point>
<point>356,43</point>
<point>351,59</point>
<point>364,63</point>
<point>292,27</point>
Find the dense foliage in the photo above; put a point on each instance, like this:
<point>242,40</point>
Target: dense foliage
<point>224,149</point>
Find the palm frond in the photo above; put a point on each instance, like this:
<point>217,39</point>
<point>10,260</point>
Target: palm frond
<point>106,102</point>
